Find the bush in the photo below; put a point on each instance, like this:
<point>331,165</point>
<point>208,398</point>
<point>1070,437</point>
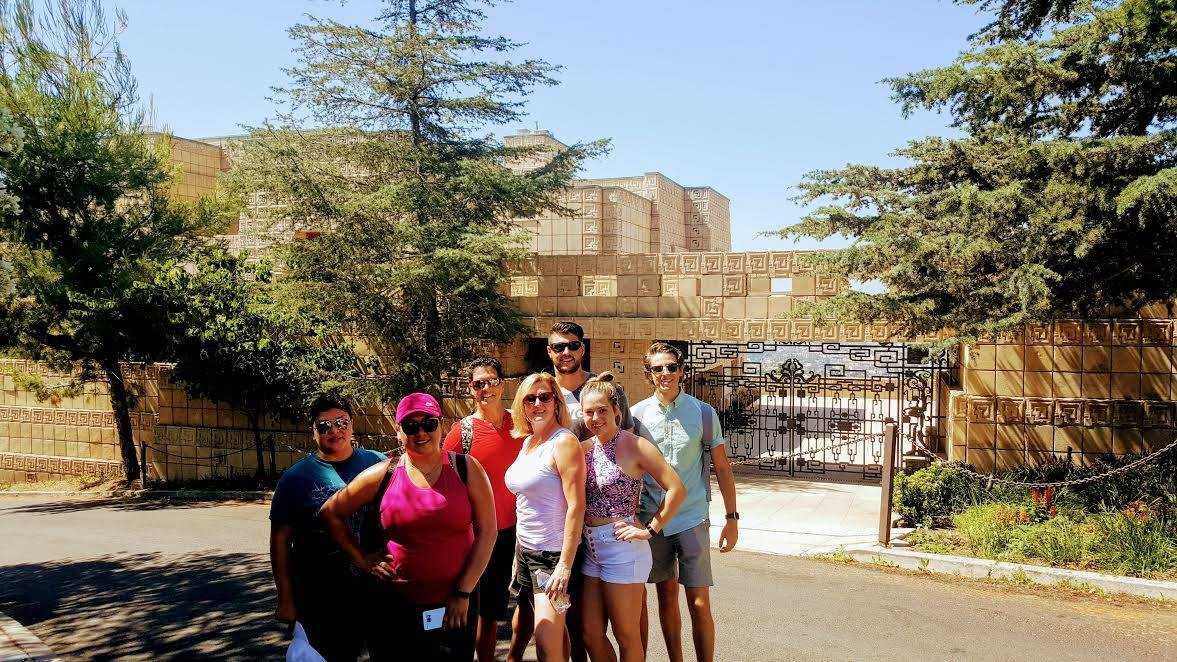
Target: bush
<point>1058,541</point>
<point>930,496</point>
<point>1136,542</point>
<point>990,528</point>
<point>1154,483</point>
<point>1131,543</point>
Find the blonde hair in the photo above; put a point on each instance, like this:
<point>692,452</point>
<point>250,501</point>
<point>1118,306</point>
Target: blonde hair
<point>519,420</point>
<point>606,385</point>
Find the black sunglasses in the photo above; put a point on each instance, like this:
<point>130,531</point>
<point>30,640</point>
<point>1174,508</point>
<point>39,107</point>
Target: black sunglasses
<point>533,400</point>
<point>669,369</point>
<point>341,423</point>
<point>427,424</point>
<point>559,347</point>
<point>479,384</point>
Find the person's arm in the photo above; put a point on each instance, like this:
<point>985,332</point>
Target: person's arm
<point>344,504</point>
<point>486,530</point>
<point>570,465</point>
<point>727,487</point>
<point>280,537</point>
<point>651,461</point>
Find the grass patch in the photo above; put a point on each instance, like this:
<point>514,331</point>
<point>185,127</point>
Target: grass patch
<point>1137,542</point>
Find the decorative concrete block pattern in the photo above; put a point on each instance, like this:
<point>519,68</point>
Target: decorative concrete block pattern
<point>1068,389</point>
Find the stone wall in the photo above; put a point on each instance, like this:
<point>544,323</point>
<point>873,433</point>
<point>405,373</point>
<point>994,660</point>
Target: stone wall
<point>1083,388</point>
<point>1077,389</point>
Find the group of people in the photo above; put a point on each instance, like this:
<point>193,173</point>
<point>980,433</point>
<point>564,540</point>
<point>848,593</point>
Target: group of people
<point>571,500</point>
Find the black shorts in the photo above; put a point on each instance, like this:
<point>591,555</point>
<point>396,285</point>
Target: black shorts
<point>494,586</point>
<point>530,561</point>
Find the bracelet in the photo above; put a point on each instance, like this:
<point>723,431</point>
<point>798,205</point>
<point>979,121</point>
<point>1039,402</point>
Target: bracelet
<point>650,528</point>
<point>459,593</point>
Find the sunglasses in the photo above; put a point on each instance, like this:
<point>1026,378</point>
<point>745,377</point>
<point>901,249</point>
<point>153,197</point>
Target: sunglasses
<point>479,384</point>
<point>559,347</point>
<point>533,400</point>
<point>427,424</point>
<point>669,369</point>
<point>341,423</point>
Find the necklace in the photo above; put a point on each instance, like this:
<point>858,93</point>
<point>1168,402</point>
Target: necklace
<point>429,476</point>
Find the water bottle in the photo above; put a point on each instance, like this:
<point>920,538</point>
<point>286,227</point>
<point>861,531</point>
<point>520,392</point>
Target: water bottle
<point>561,602</point>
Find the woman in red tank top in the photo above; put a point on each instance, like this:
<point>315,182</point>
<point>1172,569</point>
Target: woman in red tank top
<point>439,528</point>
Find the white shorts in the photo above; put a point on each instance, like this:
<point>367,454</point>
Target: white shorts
<point>614,561</point>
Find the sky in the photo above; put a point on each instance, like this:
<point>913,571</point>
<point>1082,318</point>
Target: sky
<point>744,96</point>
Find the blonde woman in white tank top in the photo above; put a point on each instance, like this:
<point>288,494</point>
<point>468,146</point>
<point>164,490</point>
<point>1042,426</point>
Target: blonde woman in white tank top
<point>548,481</point>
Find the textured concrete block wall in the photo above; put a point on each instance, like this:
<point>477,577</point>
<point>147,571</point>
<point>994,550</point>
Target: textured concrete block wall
<point>1088,388</point>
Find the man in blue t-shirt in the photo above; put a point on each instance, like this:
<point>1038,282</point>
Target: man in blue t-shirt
<point>674,422</point>
<point>316,585</point>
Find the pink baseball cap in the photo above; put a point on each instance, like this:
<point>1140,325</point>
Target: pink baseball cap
<point>417,403</point>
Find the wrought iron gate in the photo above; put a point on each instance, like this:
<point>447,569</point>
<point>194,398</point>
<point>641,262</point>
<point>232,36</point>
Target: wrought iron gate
<point>819,408</point>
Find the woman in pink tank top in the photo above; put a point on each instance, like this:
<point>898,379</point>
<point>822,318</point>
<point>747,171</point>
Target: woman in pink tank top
<point>436,512</point>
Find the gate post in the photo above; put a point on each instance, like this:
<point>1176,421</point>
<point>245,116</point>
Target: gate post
<point>888,483</point>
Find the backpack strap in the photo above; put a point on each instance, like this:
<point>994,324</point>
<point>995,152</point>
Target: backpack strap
<point>459,460</point>
<point>467,427</point>
<point>371,530</point>
<point>384,481</point>
<point>708,422</point>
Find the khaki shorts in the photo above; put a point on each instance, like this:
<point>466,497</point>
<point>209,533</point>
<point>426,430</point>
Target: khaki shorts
<point>687,554</point>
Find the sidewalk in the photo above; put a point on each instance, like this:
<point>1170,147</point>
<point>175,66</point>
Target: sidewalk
<point>795,516</point>
<point>19,645</point>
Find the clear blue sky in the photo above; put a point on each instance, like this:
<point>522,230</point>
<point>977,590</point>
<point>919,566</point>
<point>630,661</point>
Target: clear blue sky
<point>741,96</point>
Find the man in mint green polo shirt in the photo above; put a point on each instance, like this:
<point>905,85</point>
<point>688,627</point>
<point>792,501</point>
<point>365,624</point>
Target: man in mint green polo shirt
<point>674,422</point>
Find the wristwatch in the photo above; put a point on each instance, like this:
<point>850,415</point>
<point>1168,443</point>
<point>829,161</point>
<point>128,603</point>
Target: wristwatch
<point>732,516</point>
<point>650,528</point>
<point>459,593</point>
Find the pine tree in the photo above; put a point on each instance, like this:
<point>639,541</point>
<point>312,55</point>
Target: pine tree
<point>377,155</point>
<point>1060,201</point>
<point>87,228</point>
<point>244,342</point>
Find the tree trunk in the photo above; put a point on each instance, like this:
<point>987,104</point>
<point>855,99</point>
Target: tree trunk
<point>120,403</point>
<point>255,422</point>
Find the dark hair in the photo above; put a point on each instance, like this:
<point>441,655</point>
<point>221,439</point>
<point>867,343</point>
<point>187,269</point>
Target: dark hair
<point>484,362</point>
<point>566,328</point>
<point>662,347</point>
<point>327,402</point>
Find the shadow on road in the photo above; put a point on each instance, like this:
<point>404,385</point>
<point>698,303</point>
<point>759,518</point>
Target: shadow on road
<point>148,606</point>
<point>70,505</point>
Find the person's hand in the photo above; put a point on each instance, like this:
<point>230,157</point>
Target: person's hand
<point>627,532</point>
<point>286,613</point>
<point>558,582</point>
<point>378,565</point>
<point>455,612</point>
<point>729,535</point>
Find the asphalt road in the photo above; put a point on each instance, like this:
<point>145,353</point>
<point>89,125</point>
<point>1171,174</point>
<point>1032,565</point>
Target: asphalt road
<point>146,580</point>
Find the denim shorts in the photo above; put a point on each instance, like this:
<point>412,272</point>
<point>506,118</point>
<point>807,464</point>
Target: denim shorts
<point>615,561</point>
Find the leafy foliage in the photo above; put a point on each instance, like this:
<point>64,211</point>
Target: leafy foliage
<point>243,343</point>
<point>933,494</point>
<point>86,226</point>
<point>375,154</point>
<point>1059,201</point>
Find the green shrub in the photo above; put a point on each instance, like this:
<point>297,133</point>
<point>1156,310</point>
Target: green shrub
<point>938,541</point>
<point>990,528</point>
<point>1058,541</point>
<point>1141,546</point>
<point>930,496</point>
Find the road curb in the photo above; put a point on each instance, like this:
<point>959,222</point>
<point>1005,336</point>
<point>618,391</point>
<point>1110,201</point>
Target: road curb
<point>180,495</point>
<point>17,644</point>
<point>985,568</point>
